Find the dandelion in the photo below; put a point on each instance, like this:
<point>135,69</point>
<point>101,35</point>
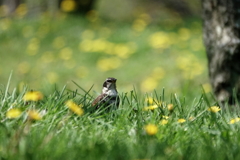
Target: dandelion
<point>34,115</point>
<point>85,45</point>
<point>68,5</point>
<point>214,109</point>
<point>149,84</point>
<point>33,96</point>
<point>66,53</point>
<point>152,107</point>
<point>234,120</point>
<point>122,50</point>
<point>170,107</point>
<point>151,129</point>
<point>165,117</point>
<point>139,25</point>
<point>92,15</point>
<point>106,64</point>
<point>99,45</point>
<point>5,23</point>
<point>163,122</point>
<point>190,65</point>
<point>13,113</point>
<point>184,34</point>
<point>150,100</point>
<point>159,40</point>
<point>74,107</point>
<point>21,10</point>
<point>181,120</point>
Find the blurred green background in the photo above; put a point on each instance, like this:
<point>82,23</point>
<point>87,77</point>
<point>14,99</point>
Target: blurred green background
<point>148,45</point>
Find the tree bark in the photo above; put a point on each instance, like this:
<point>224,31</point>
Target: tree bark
<point>221,34</point>
<point>84,6</point>
<point>12,5</point>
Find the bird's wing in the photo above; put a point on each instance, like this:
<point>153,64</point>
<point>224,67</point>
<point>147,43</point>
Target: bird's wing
<point>98,99</point>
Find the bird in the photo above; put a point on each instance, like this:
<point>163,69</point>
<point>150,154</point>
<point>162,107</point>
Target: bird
<point>109,97</point>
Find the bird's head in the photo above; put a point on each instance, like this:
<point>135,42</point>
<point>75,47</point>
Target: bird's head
<point>109,84</point>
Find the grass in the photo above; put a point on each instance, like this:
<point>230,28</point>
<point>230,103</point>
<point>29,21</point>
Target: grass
<point>157,66</point>
<point>46,51</point>
<point>118,134</point>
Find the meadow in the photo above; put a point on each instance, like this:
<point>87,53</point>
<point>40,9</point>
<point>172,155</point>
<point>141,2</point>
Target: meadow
<point>52,68</point>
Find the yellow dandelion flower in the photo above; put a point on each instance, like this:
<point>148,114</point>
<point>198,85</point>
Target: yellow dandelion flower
<point>86,45</point>
<point>150,100</point>
<point>190,66</point>
<point>106,64</point>
<point>152,107</point>
<point>149,84</point>
<point>33,96</point>
<point>214,109</point>
<point>234,120</point>
<point>5,23</point>
<point>92,15</point>
<point>13,113</point>
<point>66,53</point>
<point>159,40</point>
<point>181,120</point>
<point>163,122</point>
<point>21,10</point>
<point>165,117</point>
<point>170,107</point>
<point>184,34</point>
<point>151,129</point>
<point>139,25</point>
<point>34,115</point>
<point>99,45</point>
<point>68,5</point>
<point>122,50</point>
<point>74,107</point>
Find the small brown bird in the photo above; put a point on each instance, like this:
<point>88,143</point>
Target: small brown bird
<point>109,96</point>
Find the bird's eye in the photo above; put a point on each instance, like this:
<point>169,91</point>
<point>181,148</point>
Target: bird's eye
<point>109,80</point>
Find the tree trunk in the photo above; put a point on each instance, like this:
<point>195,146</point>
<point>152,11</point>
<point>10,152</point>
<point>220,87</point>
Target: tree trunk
<point>11,5</point>
<point>221,27</point>
<point>84,6</point>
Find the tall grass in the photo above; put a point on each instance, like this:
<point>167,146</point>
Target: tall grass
<point>191,131</point>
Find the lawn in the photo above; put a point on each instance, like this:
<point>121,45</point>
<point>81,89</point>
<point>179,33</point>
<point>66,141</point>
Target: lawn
<point>52,68</point>
<point>45,52</point>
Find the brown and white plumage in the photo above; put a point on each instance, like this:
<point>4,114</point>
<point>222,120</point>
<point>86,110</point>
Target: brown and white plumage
<point>109,95</point>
